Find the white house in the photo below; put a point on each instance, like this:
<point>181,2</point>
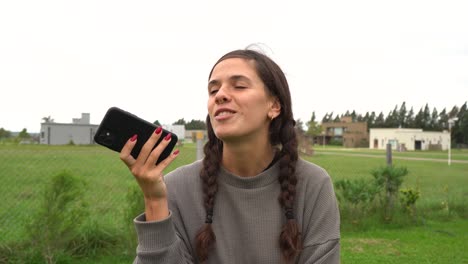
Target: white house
<point>179,130</point>
<point>403,139</point>
<point>79,132</point>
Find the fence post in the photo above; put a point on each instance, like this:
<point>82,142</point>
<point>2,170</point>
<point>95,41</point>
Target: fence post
<point>200,154</point>
<point>389,154</point>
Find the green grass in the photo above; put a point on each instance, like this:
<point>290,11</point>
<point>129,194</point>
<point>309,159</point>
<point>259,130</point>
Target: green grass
<point>435,242</point>
<point>25,169</point>
<point>456,154</point>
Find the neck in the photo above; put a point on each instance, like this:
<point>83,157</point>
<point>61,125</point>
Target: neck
<point>249,158</point>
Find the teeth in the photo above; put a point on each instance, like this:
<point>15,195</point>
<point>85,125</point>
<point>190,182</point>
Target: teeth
<point>224,113</point>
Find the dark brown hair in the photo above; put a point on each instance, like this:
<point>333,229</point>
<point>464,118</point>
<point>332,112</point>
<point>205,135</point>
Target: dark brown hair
<point>282,134</point>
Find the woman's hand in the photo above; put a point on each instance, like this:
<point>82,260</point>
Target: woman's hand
<point>149,175</point>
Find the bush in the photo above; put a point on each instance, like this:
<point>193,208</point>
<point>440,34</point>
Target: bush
<point>57,221</point>
<point>408,200</point>
<point>357,196</point>
<point>389,179</point>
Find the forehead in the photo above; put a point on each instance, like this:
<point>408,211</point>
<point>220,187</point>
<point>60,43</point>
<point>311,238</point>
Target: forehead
<point>234,66</point>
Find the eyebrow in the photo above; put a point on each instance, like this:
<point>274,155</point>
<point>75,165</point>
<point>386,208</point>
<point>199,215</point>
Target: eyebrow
<point>231,78</point>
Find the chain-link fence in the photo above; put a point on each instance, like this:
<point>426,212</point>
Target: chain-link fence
<point>25,171</point>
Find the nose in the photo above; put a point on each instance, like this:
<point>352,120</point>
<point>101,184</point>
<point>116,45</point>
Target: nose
<point>222,96</point>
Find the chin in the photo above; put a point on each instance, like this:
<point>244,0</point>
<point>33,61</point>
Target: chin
<point>224,133</point>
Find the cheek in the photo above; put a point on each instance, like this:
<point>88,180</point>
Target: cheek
<point>210,105</point>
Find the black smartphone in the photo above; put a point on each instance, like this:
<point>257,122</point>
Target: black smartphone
<point>118,126</point>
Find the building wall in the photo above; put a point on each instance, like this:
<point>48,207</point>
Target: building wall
<point>353,134</point>
<point>179,130</point>
<point>408,139</point>
<point>191,135</point>
<point>62,134</point>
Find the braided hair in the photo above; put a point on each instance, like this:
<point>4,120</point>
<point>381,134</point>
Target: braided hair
<point>282,134</point>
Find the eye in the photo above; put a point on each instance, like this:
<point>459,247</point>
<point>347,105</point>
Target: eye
<point>213,92</point>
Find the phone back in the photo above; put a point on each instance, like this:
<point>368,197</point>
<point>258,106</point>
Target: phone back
<point>118,126</point>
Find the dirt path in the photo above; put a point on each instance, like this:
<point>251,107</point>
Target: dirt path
<point>393,157</point>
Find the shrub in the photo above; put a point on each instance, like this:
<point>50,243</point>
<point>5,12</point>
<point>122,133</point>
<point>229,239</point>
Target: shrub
<point>358,193</point>
<point>57,221</point>
<point>408,200</point>
<point>389,179</point>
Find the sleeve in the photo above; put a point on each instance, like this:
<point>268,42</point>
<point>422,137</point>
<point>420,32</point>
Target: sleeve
<point>321,235</point>
<point>158,242</point>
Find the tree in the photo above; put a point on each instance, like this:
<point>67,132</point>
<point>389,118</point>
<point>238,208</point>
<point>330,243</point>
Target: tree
<point>327,118</point>
<point>48,119</point>
<point>380,121</point>
<point>313,128</point>
<point>453,113</point>
<point>409,120</point>
<point>179,122</point>
<point>392,118</point>
<point>195,125</point>
<point>419,119</point>
<point>402,115</point>
<point>460,129</point>
<point>4,133</point>
<point>24,134</point>
<point>434,121</point>
<point>353,116</point>
<point>300,127</point>
<point>443,120</point>
<point>426,117</point>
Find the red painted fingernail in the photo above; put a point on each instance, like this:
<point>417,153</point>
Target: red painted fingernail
<point>168,136</point>
<point>158,130</point>
<point>176,152</point>
<point>134,137</point>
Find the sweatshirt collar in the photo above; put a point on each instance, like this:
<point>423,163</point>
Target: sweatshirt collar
<point>266,177</point>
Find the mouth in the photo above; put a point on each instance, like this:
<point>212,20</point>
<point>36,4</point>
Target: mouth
<point>224,112</point>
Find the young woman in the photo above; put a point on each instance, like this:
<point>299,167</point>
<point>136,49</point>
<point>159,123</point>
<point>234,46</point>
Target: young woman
<point>251,199</point>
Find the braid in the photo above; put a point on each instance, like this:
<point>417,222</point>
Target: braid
<point>211,164</point>
<point>290,237</point>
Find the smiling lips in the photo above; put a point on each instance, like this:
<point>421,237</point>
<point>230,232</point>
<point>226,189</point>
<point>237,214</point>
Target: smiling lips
<point>223,113</point>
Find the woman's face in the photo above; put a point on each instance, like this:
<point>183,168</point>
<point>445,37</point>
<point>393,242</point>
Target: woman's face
<point>238,104</point>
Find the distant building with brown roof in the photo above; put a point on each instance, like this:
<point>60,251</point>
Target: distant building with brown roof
<point>351,134</point>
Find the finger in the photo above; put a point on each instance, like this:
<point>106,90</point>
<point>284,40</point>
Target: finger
<point>148,146</point>
<point>154,156</point>
<point>125,153</point>
<point>164,163</point>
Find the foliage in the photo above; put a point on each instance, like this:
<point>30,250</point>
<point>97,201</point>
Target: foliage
<point>93,239</point>
<point>56,222</point>
<point>389,180</point>
<point>313,127</point>
<point>48,119</point>
<point>359,193</point>
<point>408,200</point>
<point>195,125</point>
<point>335,142</point>
<point>24,134</point>
<point>135,206</point>
<point>179,122</point>
<point>425,119</point>
<point>4,133</point>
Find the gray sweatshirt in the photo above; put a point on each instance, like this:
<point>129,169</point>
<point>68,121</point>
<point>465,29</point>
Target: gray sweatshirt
<point>247,218</point>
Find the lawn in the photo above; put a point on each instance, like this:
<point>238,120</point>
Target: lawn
<point>25,169</point>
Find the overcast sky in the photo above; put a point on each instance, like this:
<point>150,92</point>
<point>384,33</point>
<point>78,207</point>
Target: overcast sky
<point>152,58</point>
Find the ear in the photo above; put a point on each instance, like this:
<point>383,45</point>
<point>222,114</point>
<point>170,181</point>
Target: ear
<point>275,108</point>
